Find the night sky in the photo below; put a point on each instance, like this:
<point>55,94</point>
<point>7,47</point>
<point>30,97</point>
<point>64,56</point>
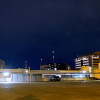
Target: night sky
<point>31,29</point>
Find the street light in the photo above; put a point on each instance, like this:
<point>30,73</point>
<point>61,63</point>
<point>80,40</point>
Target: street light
<point>41,61</point>
<point>26,75</point>
<point>6,74</point>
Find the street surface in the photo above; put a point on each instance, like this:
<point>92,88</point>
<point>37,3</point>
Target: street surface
<point>50,91</point>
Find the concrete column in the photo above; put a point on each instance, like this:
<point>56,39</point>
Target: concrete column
<point>30,77</point>
<point>17,77</point>
<point>12,77</point>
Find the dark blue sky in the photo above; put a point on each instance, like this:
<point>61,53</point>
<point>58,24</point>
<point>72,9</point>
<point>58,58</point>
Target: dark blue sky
<point>31,29</point>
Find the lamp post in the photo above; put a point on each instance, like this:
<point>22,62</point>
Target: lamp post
<point>26,76</point>
<point>26,64</point>
<point>41,61</point>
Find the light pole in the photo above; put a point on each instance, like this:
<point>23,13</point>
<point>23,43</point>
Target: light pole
<point>41,62</point>
<point>26,64</point>
<point>26,76</point>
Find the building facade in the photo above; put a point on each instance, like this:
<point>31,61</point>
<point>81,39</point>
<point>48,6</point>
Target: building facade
<point>27,75</point>
<point>87,60</point>
<point>55,66</point>
<point>45,67</point>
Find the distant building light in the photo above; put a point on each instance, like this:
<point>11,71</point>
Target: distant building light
<point>84,71</point>
<point>26,71</point>
<point>55,68</point>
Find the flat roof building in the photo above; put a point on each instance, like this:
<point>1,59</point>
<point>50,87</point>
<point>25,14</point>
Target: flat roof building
<point>27,75</point>
<point>55,66</point>
<point>91,60</point>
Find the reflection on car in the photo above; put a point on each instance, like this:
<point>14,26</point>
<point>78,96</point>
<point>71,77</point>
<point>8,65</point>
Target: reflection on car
<point>55,78</point>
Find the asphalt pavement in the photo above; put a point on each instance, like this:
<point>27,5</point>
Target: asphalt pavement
<point>67,90</point>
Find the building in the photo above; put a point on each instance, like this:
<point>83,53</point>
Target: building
<point>97,72</point>
<point>57,69</point>
<point>87,60</point>
<point>45,67</point>
<point>27,75</point>
<point>55,66</point>
<point>2,64</point>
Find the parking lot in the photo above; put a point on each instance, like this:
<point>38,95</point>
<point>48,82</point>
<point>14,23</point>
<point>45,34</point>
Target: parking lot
<point>50,91</point>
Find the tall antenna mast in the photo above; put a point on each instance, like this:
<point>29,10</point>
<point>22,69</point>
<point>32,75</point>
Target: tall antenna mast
<point>53,56</point>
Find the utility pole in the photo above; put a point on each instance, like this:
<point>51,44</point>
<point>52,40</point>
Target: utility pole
<point>26,64</point>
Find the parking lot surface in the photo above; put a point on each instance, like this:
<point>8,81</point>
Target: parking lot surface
<point>50,91</point>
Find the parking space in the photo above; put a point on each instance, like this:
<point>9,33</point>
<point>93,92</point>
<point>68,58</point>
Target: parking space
<point>74,90</point>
